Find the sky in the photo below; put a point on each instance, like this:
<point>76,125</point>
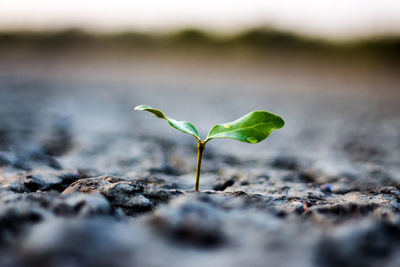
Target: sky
<point>338,18</point>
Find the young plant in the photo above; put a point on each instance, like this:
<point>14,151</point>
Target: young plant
<point>251,128</point>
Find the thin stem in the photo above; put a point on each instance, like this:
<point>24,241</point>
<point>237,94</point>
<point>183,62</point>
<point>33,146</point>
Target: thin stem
<point>200,148</point>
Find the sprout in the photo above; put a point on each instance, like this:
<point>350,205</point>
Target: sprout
<point>251,128</point>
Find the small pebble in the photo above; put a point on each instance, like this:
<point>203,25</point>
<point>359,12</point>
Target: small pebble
<point>326,188</point>
<point>298,207</point>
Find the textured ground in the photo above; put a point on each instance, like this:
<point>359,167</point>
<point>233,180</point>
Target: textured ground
<point>86,181</point>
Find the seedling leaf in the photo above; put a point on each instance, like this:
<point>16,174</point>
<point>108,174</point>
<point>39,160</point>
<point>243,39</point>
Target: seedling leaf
<point>183,126</point>
<point>251,128</point>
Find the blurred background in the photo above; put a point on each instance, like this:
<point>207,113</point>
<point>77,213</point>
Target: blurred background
<point>71,71</point>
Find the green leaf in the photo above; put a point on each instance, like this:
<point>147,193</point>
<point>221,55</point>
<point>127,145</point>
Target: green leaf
<point>251,128</point>
<point>183,126</point>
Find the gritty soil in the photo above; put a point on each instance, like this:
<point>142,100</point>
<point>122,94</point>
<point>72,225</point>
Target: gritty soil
<point>85,181</point>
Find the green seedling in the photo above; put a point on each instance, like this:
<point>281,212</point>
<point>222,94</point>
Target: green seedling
<point>251,128</point>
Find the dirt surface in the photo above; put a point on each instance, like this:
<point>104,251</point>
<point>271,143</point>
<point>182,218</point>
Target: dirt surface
<point>86,181</point>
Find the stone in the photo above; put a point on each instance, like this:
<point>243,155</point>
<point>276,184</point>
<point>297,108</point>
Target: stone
<point>285,162</point>
<point>133,197</point>
<point>366,244</point>
<point>222,186</point>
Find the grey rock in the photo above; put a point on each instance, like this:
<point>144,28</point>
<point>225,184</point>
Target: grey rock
<point>20,212</point>
<point>192,220</point>
<point>79,242</point>
<point>43,180</point>
<point>222,186</point>
<point>285,162</point>
<point>366,244</point>
<point>133,197</point>
<point>16,219</point>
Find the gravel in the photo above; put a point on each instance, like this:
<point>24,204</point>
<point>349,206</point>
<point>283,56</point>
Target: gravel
<point>85,181</point>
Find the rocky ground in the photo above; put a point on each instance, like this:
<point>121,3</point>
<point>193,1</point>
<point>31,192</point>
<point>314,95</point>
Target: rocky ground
<point>85,181</point>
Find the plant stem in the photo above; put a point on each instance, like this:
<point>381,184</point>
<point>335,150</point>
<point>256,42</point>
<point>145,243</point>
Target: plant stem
<point>200,147</point>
